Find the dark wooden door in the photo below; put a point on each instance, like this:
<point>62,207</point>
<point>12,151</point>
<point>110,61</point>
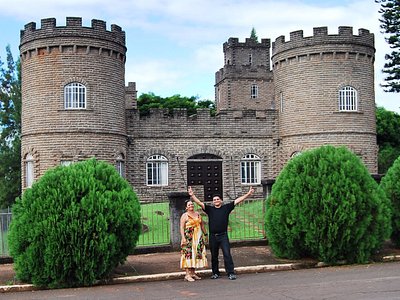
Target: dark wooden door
<point>206,170</point>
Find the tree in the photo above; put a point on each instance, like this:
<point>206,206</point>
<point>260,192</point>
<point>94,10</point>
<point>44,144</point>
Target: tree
<point>10,125</point>
<point>74,225</point>
<point>390,23</point>
<point>390,184</point>
<point>150,100</point>
<point>325,205</point>
<point>388,138</point>
<point>253,35</point>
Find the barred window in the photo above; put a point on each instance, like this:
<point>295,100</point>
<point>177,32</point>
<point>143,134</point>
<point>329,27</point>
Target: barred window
<point>120,165</point>
<point>250,169</point>
<point>28,170</point>
<point>254,91</point>
<point>75,96</point>
<point>348,99</point>
<point>157,170</point>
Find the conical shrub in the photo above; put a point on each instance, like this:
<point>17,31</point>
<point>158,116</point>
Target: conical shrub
<point>74,225</point>
<point>325,205</point>
<point>390,183</point>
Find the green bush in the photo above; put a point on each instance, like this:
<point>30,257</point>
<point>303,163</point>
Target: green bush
<point>325,205</point>
<point>74,226</point>
<point>390,183</point>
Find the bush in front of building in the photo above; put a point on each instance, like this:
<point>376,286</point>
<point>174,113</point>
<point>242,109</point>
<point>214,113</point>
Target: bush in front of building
<point>74,226</point>
<point>390,183</point>
<point>325,205</point>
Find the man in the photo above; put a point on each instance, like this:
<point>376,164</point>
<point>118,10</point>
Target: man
<point>218,218</point>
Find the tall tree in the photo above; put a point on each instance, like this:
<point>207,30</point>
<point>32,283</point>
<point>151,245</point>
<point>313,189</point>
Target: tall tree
<point>10,126</point>
<point>390,23</point>
<point>253,35</point>
<point>388,138</point>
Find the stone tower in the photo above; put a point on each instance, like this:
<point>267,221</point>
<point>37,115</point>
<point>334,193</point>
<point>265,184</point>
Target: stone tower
<point>324,91</point>
<point>245,81</point>
<point>73,94</point>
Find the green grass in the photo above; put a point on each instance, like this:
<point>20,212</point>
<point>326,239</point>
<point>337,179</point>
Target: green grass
<point>245,223</point>
<point>155,220</point>
<point>3,243</point>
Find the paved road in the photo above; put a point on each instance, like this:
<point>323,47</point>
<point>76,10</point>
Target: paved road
<point>376,281</point>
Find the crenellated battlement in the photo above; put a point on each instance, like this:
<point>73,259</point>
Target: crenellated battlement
<point>234,42</point>
<point>73,28</point>
<point>321,37</point>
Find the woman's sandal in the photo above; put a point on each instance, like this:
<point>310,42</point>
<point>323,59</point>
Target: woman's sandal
<point>196,277</point>
<point>188,278</point>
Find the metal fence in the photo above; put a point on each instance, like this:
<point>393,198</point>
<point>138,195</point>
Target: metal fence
<point>246,222</point>
<point>5,220</point>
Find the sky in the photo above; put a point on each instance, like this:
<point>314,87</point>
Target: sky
<point>175,46</point>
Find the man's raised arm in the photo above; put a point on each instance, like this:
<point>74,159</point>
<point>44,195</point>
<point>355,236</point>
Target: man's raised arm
<point>194,198</point>
<point>249,193</point>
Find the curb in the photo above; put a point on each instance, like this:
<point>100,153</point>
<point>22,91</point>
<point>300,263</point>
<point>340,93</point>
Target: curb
<point>168,276</point>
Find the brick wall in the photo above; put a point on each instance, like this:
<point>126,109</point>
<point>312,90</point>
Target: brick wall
<point>308,73</point>
<point>52,57</point>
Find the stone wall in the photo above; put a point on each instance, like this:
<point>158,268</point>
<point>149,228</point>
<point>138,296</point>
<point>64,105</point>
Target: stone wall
<point>308,73</point>
<point>52,57</point>
<point>178,137</point>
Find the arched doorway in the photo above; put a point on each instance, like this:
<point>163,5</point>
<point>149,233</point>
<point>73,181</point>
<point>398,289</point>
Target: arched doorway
<point>206,169</point>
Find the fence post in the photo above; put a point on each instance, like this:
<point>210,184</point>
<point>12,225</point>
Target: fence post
<point>267,187</point>
<point>176,209</point>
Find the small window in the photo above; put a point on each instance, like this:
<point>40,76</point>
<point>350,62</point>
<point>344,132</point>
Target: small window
<point>157,170</point>
<point>75,96</point>
<point>250,169</point>
<point>281,100</point>
<point>254,91</point>
<point>250,59</point>
<point>29,170</point>
<point>120,165</point>
<point>348,99</point>
<point>65,163</point>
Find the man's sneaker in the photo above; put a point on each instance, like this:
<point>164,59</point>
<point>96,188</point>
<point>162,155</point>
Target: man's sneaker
<point>232,276</point>
<point>214,276</point>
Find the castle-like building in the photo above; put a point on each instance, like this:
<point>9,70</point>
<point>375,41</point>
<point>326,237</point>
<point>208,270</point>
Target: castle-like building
<point>310,91</point>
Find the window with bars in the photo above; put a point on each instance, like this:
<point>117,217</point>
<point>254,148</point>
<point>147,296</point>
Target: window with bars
<point>254,91</point>
<point>75,96</point>
<point>348,100</point>
<point>250,169</point>
<point>120,165</point>
<point>28,170</point>
<point>157,170</point>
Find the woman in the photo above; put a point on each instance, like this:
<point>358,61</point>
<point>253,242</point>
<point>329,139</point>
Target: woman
<point>193,247</point>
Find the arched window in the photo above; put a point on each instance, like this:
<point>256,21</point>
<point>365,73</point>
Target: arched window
<point>295,153</point>
<point>250,169</point>
<point>29,170</point>
<point>120,165</point>
<point>75,96</point>
<point>157,170</point>
<point>348,100</point>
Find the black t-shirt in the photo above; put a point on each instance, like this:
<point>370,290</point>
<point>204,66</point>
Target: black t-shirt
<point>218,217</point>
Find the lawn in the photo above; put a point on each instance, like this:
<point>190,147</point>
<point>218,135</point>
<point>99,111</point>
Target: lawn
<point>246,222</point>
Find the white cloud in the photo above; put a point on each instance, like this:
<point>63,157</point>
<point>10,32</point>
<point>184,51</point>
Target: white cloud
<point>191,32</point>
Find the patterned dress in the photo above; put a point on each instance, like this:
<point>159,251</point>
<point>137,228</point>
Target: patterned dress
<point>193,253</point>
